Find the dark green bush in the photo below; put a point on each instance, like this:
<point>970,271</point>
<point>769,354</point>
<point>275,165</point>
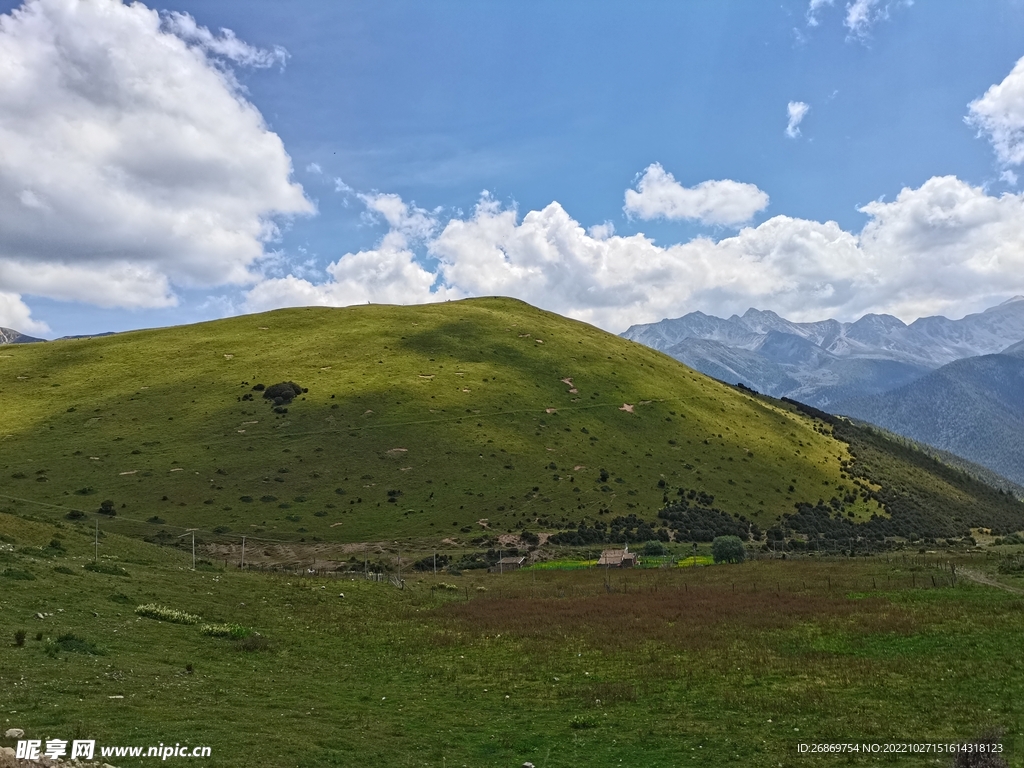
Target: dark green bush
<point>17,575</point>
<point>110,570</point>
<point>728,549</point>
<point>282,393</point>
<point>654,549</point>
<point>71,643</point>
<point>252,643</point>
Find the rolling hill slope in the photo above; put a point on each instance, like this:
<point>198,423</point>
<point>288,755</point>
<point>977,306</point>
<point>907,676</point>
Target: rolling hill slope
<point>427,422</point>
<point>972,407</point>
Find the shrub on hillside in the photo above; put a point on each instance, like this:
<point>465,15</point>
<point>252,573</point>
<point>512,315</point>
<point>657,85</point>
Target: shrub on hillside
<point>282,393</point>
<point>75,644</point>
<point>110,570</point>
<point>251,643</point>
<point>728,549</point>
<point>654,549</point>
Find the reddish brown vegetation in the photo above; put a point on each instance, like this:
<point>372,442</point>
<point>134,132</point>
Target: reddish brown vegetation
<point>678,616</point>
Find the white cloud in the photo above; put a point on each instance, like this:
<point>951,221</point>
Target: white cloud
<point>109,284</point>
<point>659,195</point>
<point>1009,177</point>
<point>943,245</point>
<point>943,248</point>
<point>314,168</point>
<point>387,274</point>
<point>999,115</point>
<point>934,249</point>
<point>130,154</point>
<point>404,219</point>
<point>549,260</point>
<point>862,14</point>
<point>812,11</point>
<point>14,313</point>
<point>796,112</point>
<point>602,231</point>
<point>227,44</point>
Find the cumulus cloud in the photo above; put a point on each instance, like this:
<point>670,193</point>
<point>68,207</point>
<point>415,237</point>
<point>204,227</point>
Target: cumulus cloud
<point>796,111</point>
<point>659,195</point>
<point>945,244</point>
<point>390,273</point>
<point>130,160</point>
<point>999,115</point>
<point>548,259</point>
<point>14,313</point>
<point>407,220</point>
<point>941,248</point>
<point>933,249</point>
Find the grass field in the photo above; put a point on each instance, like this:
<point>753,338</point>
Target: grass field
<point>720,665</point>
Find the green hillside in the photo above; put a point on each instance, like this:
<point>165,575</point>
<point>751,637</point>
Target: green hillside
<point>419,422</point>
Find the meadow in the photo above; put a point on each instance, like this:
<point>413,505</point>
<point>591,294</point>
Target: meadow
<point>709,665</point>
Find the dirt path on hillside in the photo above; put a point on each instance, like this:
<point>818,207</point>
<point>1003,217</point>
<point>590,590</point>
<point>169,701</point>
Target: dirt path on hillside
<point>980,578</point>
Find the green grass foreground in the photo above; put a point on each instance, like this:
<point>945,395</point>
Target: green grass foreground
<point>722,665</point>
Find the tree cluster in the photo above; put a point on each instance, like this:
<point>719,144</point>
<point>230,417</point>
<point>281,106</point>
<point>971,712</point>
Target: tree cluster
<point>695,518</point>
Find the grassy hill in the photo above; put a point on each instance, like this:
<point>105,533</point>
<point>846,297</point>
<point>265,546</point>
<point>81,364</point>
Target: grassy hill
<point>416,423</point>
<point>973,407</point>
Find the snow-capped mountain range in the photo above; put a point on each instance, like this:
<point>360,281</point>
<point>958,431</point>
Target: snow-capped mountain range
<point>826,362</point>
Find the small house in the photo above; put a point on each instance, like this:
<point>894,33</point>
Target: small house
<point>508,564</point>
<point>617,558</point>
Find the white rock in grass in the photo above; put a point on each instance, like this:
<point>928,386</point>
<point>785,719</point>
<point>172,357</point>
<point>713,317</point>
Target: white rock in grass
<point>14,733</point>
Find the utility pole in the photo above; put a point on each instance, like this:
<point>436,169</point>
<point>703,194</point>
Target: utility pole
<point>96,548</point>
<point>435,563</point>
<point>186,533</point>
<point>243,554</point>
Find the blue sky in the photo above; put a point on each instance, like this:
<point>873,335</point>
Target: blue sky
<point>146,176</point>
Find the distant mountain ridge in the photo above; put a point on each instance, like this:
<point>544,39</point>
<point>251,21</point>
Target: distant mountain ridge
<point>826,362</point>
<point>972,407</point>
<point>11,336</point>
